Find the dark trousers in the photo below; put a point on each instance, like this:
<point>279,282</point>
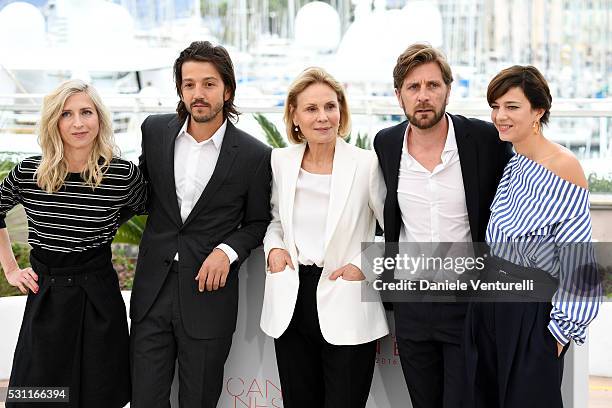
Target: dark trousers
<point>314,373</point>
<point>429,339</point>
<point>512,357</point>
<point>157,341</point>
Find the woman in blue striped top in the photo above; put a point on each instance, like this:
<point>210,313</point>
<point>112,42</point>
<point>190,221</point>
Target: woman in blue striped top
<point>74,331</point>
<point>539,217</point>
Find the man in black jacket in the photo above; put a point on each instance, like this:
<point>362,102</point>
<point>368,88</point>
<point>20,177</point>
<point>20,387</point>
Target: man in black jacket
<point>209,206</point>
<point>441,173</point>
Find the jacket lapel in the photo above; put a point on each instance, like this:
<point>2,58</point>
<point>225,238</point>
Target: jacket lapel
<point>292,168</point>
<point>342,180</point>
<point>468,159</point>
<point>394,155</point>
<point>229,149</point>
<point>174,126</point>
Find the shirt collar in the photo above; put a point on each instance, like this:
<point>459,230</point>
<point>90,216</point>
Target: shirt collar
<point>217,137</point>
<point>451,140</point>
<point>449,146</point>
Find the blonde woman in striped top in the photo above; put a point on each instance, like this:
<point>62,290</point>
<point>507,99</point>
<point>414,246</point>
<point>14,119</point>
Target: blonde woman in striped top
<point>74,330</point>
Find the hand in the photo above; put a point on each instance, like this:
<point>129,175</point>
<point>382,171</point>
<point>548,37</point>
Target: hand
<point>23,279</point>
<point>559,349</point>
<point>214,271</point>
<point>278,259</point>
<point>348,272</point>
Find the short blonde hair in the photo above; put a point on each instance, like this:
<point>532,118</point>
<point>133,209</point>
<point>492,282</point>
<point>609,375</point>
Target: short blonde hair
<point>310,76</point>
<point>53,167</point>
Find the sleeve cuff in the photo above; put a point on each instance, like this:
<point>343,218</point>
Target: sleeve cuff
<point>231,254</point>
<point>559,335</point>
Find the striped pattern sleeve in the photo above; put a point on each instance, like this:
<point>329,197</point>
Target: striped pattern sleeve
<point>9,194</point>
<point>540,220</point>
<point>137,199</point>
<point>577,301</point>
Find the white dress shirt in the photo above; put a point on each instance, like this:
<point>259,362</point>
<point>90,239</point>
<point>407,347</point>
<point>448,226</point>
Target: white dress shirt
<point>310,216</point>
<point>194,164</point>
<point>433,203</point>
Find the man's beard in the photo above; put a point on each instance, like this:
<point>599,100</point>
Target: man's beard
<point>214,111</point>
<point>428,122</point>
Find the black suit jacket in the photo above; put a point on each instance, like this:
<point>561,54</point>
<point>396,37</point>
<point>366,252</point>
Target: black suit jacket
<point>482,156</point>
<point>234,209</point>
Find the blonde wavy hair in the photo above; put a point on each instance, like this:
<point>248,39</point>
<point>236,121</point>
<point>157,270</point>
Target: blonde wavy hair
<point>310,76</point>
<point>53,168</point>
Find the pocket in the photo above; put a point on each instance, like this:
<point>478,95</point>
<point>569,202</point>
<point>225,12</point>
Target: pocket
<point>350,282</point>
<point>280,294</point>
<point>275,274</point>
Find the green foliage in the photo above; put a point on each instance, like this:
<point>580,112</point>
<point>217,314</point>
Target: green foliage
<point>125,267</point>
<point>605,274</point>
<point>599,184</point>
<point>362,141</point>
<point>273,136</point>
<point>22,255</point>
<point>5,168</point>
<point>131,231</point>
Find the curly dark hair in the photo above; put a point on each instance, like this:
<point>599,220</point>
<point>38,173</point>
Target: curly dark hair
<point>205,51</point>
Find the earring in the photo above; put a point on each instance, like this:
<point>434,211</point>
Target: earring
<point>297,129</point>
<point>536,127</point>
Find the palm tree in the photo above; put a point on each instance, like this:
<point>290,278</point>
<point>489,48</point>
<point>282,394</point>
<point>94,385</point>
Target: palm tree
<point>273,136</point>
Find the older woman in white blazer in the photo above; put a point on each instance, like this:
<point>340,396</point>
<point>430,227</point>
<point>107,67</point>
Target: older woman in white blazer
<point>326,197</point>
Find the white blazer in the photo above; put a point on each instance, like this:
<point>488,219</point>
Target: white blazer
<point>356,196</point>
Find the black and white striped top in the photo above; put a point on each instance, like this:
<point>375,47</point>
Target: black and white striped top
<point>75,218</point>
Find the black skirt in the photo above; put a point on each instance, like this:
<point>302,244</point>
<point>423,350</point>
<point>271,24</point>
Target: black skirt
<point>74,334</point>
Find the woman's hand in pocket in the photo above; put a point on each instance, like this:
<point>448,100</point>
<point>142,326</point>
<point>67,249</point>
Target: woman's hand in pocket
<point>348,272</point>
<point>559,349</point>
<point>278,260</point>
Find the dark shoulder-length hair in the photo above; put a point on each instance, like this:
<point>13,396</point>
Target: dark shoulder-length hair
<point>205,51</point>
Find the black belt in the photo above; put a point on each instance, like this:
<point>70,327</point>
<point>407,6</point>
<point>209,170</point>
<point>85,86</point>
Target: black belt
<point>69,280</point>
<point>501,270</point>
<point>71,275</point>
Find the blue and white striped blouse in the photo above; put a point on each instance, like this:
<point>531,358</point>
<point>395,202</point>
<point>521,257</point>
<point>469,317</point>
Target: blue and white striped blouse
<point>538,218</point>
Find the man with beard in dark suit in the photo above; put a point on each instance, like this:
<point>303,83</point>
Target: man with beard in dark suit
<point>441,172</point>
<point>209,206</point>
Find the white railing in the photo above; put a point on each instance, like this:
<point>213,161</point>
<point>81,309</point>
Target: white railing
<point>375,105</point>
